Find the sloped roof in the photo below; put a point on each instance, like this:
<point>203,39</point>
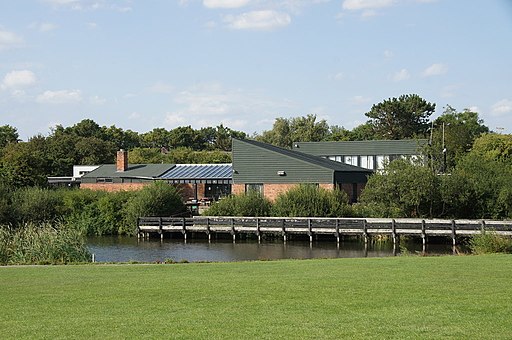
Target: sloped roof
<point>133,171</point>
<point>316,160</point>
<point>366,147</point>
<point>199,172</point>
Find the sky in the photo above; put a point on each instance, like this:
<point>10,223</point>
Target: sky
<point>141,65</point>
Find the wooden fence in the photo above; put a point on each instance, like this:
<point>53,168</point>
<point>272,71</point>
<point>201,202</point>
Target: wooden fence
<point>337,227</point>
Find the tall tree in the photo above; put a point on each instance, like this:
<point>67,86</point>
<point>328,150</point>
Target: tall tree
<point>404,117</point>
<point>452,135</point>
<point>8,134</point>
<point>285,131</point>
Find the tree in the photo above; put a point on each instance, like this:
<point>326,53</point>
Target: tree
<point>399,118</point>
<point>403,189</point>
<point>495,147</point>
<point>280,135</point>
<point>285,131</point>
<point>156,138</point>
<point>126,140</point>
<point>478,188</point>
<point>460,131</point>
<point>8,134</point>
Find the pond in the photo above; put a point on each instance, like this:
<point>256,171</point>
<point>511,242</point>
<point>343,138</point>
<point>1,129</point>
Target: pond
<point>126,249</point>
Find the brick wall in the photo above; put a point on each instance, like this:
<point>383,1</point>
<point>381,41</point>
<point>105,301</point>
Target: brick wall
<point>237,189</point>
<point>113,186</point>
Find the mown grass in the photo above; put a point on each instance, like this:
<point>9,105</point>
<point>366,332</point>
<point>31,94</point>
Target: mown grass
<point>382,298</point>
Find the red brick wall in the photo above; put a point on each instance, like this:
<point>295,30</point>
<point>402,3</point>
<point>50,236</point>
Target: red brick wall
<point>113,186</point>
<point>237,189</point>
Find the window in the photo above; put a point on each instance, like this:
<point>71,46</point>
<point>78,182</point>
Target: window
<point>381,160</point>
<point>352,160</point>
<point>257,187</point>
<point>367,162</point>
<point>104,180</point>
<point>216,191</point>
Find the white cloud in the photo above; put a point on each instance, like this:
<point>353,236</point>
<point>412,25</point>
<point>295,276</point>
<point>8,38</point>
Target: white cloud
<point>502,107</point>
<point>43,26</point>
<point>357,5</point>
<point>175,119</point>
<point>161,87</point>
<point>97,100</point>
<point>258,20</point>
<point>9,40</point>
<point>403,74</point>
<point>92,5</point>
<point>361,100</point>
<point>337,76</point>
<point>225,3</point>
<point>60,97</point>
<point>435,70</point>
<point>388,54</point>
<point>211,104</point>
<point>18,79</point>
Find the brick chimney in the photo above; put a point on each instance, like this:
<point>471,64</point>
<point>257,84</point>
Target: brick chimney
<point>122,160</point>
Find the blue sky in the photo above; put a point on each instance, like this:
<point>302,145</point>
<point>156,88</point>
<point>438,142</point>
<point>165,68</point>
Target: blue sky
<point>161,63</point>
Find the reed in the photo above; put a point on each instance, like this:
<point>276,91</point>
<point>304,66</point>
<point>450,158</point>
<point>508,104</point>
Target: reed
<point>42,244</point>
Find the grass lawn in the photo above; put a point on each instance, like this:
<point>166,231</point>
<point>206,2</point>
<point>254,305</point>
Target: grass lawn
<point>402,297</point>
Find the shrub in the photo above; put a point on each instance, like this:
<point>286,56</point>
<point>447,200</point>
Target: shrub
<point>36,205</point>
<point>489,242</point>
<point>308,200</point>
<point>376,209</point>
<point>42,244</point>
<point>156,199</point>
<point>250,204</point>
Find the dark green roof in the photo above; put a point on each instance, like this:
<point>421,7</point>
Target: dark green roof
<point>311,159</point>
<point>133,171</point>
<point>361,148</point>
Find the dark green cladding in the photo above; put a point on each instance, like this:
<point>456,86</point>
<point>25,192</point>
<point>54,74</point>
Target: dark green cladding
<point>362,148</point>
<point>255,162</point>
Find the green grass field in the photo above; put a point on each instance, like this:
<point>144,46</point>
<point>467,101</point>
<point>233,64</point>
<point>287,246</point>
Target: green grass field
<point>458,297</point>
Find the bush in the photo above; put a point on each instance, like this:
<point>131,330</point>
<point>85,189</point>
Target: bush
<point>156,199</point>
<point>250,204</point>
<point>376,209</point>
<point>489,242</point>
<point>36,205</point>
<point>311,201</point>
<point>42,244</point>
<point>5,204</point>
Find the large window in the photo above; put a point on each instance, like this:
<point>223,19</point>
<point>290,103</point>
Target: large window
<point>367,162</point>
<point>254,187</point>
<point>216,191</point>
<point>352,160</point>
<point>381,160</point>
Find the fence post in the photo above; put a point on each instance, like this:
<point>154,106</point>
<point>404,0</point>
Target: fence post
<point>233,229</point>
<point>423,234</point>
<point>337,231</point>
<point>310,231</point>
<point>258,229</point>
<point>365,232</point>
<point>453,232</point>
<point>393,230</point>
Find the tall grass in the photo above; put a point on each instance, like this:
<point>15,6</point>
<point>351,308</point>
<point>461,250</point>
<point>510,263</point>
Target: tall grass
<point>250,204</point>
<point>42,244</point>
<point>489,242</point>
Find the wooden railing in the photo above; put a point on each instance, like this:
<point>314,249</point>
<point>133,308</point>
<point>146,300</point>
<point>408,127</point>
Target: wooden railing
<point>284,226</point>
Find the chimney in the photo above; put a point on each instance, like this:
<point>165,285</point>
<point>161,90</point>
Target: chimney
<point>122,160</point>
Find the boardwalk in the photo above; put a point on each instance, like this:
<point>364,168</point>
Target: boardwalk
<point>285,226</point>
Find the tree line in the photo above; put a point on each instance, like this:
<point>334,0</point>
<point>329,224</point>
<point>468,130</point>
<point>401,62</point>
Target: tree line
<point>29,163</point>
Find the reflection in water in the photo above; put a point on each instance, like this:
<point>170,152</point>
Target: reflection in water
<point>125,249</point>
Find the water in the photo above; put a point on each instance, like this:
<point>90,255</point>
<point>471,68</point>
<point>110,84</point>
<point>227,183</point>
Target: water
<point>126,249</point>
